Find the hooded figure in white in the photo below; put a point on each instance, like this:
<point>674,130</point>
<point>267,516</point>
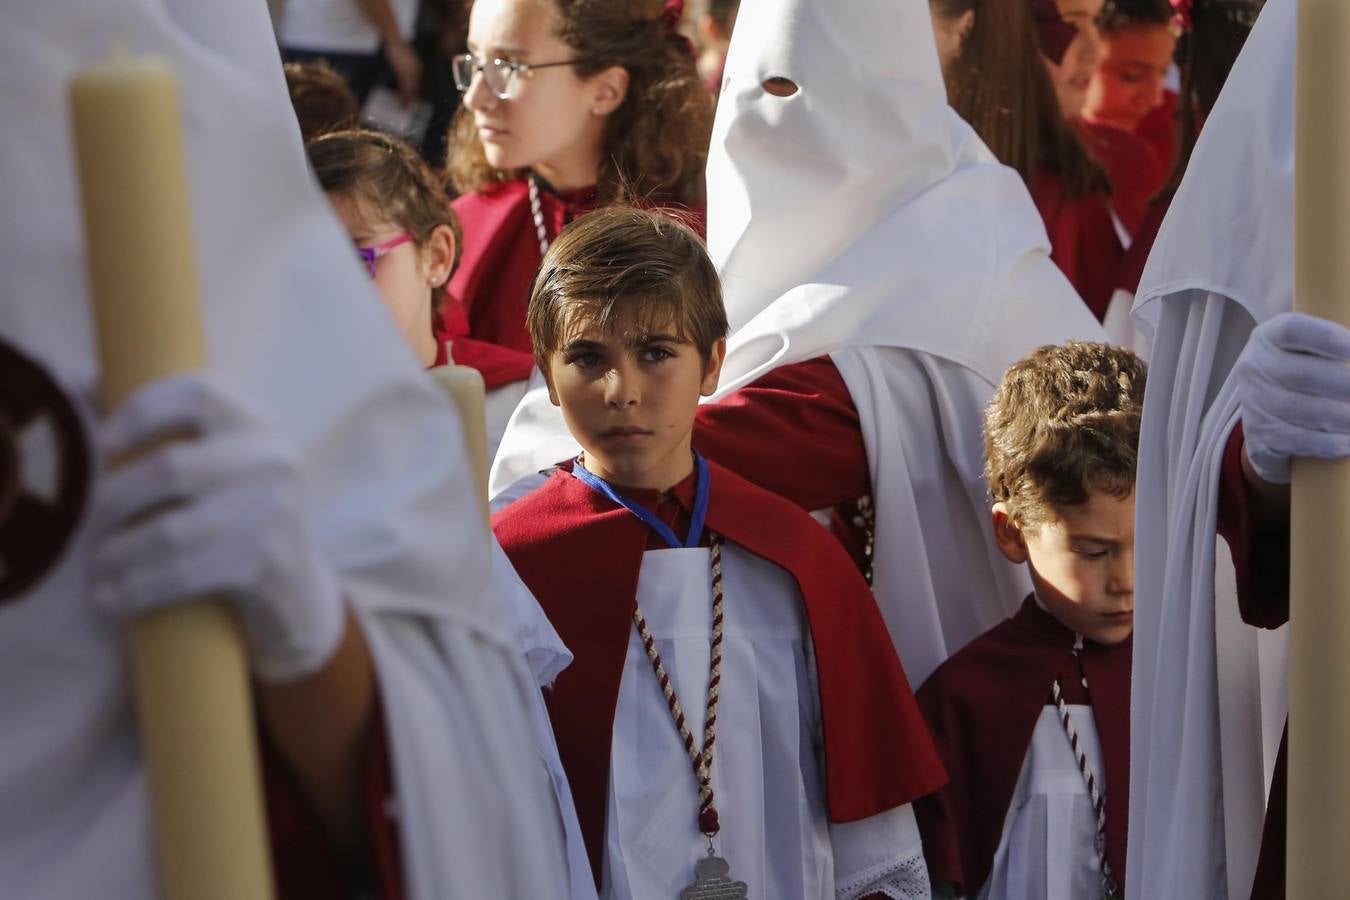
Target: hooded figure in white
<point>859,217</point>
<point>326,465</point>
<point>1208,693</point>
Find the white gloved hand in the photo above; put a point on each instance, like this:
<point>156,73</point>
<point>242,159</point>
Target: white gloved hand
<point>1294,388</point>
<point>215,513</point>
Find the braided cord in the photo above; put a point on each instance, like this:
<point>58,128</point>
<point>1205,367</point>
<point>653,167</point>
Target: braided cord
<point>701,760</point>
<point>537,213</point>
<point>1109,888</point>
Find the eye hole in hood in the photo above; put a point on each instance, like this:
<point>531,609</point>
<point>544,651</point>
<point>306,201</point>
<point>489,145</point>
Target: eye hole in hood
<point>780,86</point>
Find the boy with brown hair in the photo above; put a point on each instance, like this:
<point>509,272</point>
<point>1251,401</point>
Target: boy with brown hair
<point>1032,717</point>
<point>698,604</point>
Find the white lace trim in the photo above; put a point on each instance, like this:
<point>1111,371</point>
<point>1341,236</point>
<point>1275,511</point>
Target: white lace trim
<point>902,878</point>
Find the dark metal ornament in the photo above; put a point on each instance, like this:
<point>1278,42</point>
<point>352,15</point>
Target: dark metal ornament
<point>44,473</point>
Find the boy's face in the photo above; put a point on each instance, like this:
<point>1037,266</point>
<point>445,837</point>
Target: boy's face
<point>629,396</point>
<point>1082,563</point>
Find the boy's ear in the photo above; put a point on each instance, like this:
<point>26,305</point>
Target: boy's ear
<point>438,255</point>
<point>712,372</point>
<point>1008,534</point>
<point>609,89</point>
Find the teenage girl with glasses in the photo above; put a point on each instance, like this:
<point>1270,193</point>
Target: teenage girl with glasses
<point>567,105</point>
<point>399,218</point>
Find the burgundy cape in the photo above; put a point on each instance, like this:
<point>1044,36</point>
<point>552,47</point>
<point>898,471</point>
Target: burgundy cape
<point>1261,562</point>
<point>501,255</point>
<point>982,705</point>
<point>497,265</point>
<point>1083,241</point>
<point>305,864</point>
<point>1133,167</point>
<point>580,555</point>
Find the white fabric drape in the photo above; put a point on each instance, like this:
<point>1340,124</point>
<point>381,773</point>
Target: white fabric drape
<point>1201,735</point>
<point>295,328</point>
<point>1047,850</point>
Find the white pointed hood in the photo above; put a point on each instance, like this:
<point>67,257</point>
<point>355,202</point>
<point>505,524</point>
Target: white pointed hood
<point>862,209</point>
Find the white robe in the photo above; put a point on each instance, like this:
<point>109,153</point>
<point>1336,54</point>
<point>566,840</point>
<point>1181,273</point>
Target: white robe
<point>294,327</point>
<point>768,766</point>
<point>1206,699</point>
<point>1047,851</point>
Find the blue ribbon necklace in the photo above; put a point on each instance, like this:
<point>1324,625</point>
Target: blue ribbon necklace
<point>653,521</point>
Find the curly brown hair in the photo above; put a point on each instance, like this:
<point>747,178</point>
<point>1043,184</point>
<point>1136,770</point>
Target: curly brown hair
<point>656,142</point>
<point>385,175</point>
<point>1063,423</point>
<point>620,261</point>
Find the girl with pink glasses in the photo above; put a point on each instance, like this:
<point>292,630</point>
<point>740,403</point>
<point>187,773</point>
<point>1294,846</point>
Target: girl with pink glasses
<point>400,219</point>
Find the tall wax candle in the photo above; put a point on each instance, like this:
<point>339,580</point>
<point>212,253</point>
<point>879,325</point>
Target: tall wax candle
<point>189,668</point>
<point>1319,613</point>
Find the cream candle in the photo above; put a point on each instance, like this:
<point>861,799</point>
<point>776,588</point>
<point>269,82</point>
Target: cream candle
<point>464,385</point>
<point>189,669</point>
<point>1319,614</point>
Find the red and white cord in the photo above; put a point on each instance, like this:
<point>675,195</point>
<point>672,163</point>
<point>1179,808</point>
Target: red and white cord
<point>702,760</point>
<point>1109,888</point>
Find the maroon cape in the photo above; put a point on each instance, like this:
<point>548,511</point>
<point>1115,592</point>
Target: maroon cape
<point>1083,241</point>
<point>501,255</point>
<point>982,705</point>
<point>580,554</point>
<point>305,864</point>
<point>491,286</point>
<point>1133,167</point>
<point>1261,562</point>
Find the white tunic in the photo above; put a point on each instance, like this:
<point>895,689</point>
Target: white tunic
<point>1047,849</point>
<point>768,769</point>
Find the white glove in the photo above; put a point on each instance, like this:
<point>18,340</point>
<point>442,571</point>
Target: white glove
<point>1294,388</point>
<point>216,513</point>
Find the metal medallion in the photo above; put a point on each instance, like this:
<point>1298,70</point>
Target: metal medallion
<point>712,881</point>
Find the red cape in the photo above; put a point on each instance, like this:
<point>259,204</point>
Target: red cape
<point>580,554</point>
<point>1261,563</point>
<point>982,705</point>
<point>1133,167</point>
<point>484,317</point>
<point>1083,241</point>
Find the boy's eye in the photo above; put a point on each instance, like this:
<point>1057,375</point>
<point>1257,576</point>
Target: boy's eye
<point>1091,554</point>
<point>584,360</point>
<point>657,354</point>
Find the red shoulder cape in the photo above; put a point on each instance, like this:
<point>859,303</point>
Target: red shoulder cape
<point>1133,167</point>
<point>580,555</point>
<point>1083,241</point>
<point>484,315</point>
<point>981,706</point>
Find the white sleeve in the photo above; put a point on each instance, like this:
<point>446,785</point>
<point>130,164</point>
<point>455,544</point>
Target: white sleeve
<point>881,855</point>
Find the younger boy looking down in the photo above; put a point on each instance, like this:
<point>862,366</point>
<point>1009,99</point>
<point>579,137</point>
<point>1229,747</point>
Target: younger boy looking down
<point>1032,717</point>
<point>723,639</point>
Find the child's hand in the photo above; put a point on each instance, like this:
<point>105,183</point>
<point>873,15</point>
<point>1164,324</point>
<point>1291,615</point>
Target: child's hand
<point>1294,387</point>
<point>213,508</point>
